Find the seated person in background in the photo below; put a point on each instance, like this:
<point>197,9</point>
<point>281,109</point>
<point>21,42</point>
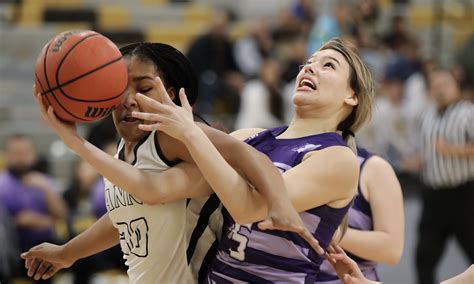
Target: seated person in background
<point>28,195</point>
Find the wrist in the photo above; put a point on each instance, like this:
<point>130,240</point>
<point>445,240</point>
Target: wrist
<point>66,253</point>
<point>191,136</point>
<point>76,144</point>
<point>275,201</point>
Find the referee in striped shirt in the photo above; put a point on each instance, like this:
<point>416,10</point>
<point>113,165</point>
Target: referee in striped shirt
<point>447,137</point>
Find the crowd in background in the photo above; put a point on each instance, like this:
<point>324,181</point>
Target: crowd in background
<point>247,83</point>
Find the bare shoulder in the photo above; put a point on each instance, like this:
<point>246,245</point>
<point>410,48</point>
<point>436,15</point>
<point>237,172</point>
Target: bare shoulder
<point>376,165</point>
<point>335,168</point>
<point>340,157</point>
<point>245,133</point>
<point>378,179</point>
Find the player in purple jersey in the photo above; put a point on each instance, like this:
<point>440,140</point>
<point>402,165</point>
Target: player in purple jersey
<point>333,98</point>
<point>375,231</point>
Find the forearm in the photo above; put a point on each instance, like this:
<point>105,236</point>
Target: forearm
<point>237,196</point>
<point>118,172</point>
<point>255,167</point>
<point>100,236</point>
<point>372,245</point>
<point>258,169</point>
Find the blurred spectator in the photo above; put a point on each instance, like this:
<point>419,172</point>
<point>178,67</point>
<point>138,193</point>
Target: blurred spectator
<point>251,50</point>
<point>29,196</point>
<point>287,97</point>
<point>465,61</point>
<point>294,59</point>
<point>447,156</point>
<point>262,104</point>
<point>304,12</point>
<point>287,27</point>
<point>102,132</point>
<point>397,35</point>
<point>392,132</point>
<point>9,260</point>
<point>220,80</point>
<point>368,11</point>
<point>86,199</point>
<point>329,26</point>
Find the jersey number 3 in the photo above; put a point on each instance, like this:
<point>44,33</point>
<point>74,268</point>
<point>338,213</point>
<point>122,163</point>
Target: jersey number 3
<point>235,235</point>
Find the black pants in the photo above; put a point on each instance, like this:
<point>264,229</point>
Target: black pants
<point>446,212</point>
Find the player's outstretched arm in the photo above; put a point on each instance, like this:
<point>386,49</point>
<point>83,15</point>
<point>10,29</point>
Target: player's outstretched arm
<point>314,182</point>
<point>44,260</point>
<point>243,203</point>
<point>181,181</point>
<point>385,242</point>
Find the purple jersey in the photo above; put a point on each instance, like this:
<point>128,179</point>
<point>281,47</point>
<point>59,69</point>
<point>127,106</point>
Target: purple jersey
<point>247,254</point>
<point>360,218</point>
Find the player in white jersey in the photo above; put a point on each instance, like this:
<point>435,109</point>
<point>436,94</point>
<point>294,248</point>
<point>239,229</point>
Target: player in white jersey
<point>145,191</point>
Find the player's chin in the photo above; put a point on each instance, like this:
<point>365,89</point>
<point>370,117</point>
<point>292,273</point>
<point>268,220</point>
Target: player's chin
<point>130,131</point>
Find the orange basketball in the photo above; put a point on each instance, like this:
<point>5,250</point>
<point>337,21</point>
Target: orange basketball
<point>82,75</point>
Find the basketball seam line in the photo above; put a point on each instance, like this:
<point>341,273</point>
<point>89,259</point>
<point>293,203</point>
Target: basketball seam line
<point>82,76</point>
<point>59,86</point>
<point>41,86</point>
<point>49,86</point>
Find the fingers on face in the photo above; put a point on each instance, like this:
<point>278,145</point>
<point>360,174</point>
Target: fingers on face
<point>146,116</point>
<point>164,96</point>
<point>184,100</point>
<point>147,103</point>
<point>150,127</point>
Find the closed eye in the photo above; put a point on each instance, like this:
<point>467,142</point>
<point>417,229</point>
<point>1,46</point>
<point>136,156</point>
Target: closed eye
<point>143,91</point>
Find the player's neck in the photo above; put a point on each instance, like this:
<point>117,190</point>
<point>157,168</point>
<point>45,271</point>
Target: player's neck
<point>129,147</point>
<point>300,127</point>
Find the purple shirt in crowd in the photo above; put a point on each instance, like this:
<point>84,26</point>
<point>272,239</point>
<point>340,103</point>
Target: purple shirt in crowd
<point>16,197</point>
<point>98,198</point>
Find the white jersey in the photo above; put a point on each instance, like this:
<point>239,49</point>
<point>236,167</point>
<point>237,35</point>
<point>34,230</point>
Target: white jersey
<point>204,222</point>
<point>152,237</point>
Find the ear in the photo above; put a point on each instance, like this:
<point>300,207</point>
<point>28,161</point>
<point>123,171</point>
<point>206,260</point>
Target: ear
<point>171,92</point>
<point>352,100</point>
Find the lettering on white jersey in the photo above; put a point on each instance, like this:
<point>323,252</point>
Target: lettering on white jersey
<point>134,237</point>
<point>115,197</point>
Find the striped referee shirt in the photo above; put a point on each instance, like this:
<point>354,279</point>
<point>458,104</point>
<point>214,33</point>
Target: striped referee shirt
<point>455,125</point>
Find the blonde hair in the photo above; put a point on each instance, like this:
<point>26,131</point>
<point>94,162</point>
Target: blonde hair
<point>361,82</point>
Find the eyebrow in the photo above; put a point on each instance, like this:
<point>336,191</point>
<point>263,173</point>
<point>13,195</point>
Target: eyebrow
<point>327,57</point>
<point>139,78</point>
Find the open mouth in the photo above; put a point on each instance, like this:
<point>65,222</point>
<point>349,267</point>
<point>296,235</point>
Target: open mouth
<point>308,83</point>
<point>129,119</point>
